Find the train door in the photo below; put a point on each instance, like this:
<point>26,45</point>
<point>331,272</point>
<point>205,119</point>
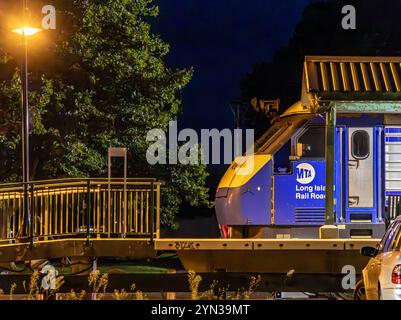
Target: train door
<point>360,168</point>
<point>361,160</point>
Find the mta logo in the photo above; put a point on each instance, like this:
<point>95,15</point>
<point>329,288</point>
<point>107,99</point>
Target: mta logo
<point>305,173</point>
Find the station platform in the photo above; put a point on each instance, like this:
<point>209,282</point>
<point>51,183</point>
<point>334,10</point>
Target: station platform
<point>308,256</point>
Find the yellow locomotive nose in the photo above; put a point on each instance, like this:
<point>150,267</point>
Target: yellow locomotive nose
<point>243,196</point>
<point>242,170</point>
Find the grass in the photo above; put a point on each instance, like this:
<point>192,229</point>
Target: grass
<point>98,283</point>
<point>215,292</point>
<point>163,264</point>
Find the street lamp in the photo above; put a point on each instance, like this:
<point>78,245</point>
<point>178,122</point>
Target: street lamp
<point>25,32</point>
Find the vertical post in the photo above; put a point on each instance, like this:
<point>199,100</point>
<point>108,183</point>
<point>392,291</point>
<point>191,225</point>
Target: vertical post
<point>108,194</point>
<point>237,124</point>
<point>88,208</point>
<point>25,132</point>
<point>125,192</point>
<point>118,152</point>
<point>329,230</point>
<point>31,233</point>
<point>329,154</point>
<point>379,178</point>
<point>152,211</point>
<point>158,210</point>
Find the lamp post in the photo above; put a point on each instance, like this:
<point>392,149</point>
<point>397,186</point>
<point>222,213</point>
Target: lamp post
<point>25,32</point>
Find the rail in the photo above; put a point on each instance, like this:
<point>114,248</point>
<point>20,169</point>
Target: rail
<point>93,208</point>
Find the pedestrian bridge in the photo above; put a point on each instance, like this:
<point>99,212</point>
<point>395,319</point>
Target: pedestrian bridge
<point>79,217</point>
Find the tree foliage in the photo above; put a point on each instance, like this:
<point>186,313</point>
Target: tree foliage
<point>103,82</point>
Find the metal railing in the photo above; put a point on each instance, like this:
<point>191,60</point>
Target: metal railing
<point>81,207</point>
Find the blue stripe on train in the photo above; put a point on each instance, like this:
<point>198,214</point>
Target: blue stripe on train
<point>393,130</point>
<point>393,193</point>
<point>393,139</point>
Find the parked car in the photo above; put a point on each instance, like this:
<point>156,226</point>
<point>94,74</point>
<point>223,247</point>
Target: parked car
<point>381,278</point>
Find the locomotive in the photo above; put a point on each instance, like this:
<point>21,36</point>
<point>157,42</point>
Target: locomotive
<point>332,158</point>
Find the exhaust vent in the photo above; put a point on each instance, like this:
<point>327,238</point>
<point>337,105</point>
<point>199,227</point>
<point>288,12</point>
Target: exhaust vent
<point>306,215</point>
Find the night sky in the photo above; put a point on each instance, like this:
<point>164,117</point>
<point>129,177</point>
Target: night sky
<point>222,40</point>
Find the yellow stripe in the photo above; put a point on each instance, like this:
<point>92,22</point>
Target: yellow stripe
<point>243,169</point>
<point>361,237</point>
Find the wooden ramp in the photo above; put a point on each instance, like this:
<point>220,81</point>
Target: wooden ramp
<point>78,247</point>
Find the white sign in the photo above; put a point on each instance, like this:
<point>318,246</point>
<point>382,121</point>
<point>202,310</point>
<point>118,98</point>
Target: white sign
<point>305,173</point>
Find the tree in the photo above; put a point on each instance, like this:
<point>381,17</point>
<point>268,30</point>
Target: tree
<point>102,82</point>
<point>320,32</point>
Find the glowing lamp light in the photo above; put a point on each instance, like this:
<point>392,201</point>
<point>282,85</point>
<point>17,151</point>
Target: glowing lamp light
<point>27,31</point>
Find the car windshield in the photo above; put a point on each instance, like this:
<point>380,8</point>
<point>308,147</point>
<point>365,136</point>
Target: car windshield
<point>397,238</point>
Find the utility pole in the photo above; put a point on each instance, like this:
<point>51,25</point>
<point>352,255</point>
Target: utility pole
<point>25,124</point>
<point>25,31</point>
<point>235,106</point>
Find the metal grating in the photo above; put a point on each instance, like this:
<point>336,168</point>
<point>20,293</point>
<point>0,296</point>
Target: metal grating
<point>393,204</point>
<point>352,74</point>
<point>309,215</point>
<point>393,158</point>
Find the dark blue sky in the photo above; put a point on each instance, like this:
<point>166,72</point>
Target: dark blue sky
<point>222,40</point>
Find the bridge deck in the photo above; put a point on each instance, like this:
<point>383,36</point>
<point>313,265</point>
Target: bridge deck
<point>135,248</point>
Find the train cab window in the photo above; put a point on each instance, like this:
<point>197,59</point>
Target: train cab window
<point>360,144</point>
<point>312,143</point>
<point>282,159</point>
